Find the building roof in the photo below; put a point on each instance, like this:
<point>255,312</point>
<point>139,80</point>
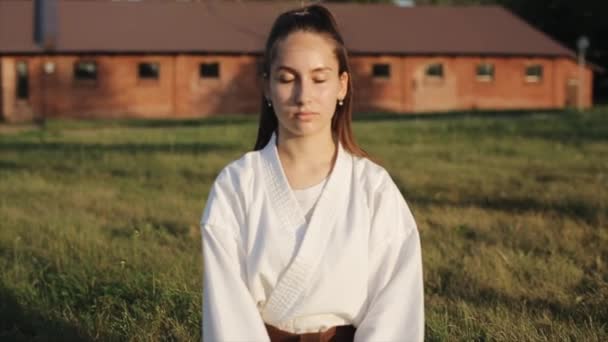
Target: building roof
<point>162,26</point>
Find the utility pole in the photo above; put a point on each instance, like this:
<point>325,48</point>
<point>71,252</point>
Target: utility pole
<point>583,44</point>
<point>45,35</point>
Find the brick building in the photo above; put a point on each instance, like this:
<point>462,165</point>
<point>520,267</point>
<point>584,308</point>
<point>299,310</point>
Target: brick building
<point>190,59</point>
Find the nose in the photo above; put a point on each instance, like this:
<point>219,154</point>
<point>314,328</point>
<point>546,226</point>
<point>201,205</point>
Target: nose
<point>303,92</point>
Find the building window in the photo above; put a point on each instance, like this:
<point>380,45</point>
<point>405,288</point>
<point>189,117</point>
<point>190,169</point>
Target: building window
<point>534,73</point>
<point>85,70</point>
<point>148,71</point>
<point>434,70</point>
<point>210,70</point>
<point>485,72</point>
<point>23,84</point>
<point>381,70</point>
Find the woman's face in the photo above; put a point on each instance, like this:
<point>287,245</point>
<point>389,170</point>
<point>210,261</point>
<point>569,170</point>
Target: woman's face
<point>304,85</point>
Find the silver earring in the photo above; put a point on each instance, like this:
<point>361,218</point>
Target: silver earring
<point>340,102</point>
<point>269,103</point>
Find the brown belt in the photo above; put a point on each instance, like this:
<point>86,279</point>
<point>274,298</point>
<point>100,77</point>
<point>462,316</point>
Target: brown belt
<point>340,333</point>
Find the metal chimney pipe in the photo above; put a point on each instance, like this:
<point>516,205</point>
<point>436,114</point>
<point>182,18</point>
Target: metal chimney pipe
<point>45,21</point>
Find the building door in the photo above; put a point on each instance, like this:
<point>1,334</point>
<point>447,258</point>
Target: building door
<point>23,81</point>
<point>23,104</point>
<point>572,93</point>
<point>434,87</point>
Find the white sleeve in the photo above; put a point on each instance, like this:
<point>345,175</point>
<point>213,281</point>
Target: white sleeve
<point>229,311</point>
<point>395,310</point>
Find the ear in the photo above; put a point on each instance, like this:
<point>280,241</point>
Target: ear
<point>343,85</point>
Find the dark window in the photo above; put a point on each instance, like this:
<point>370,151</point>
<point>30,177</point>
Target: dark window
<point>434,70</point>
<point>23,86</point>
<point>148,70</point>
<point>85,70</point>
<point>210,70</point>
<point>534,73</point>
<point>485,72</point>
<point>381,70</point>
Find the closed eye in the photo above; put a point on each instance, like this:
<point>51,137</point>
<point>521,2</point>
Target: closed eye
<point>286,78</point>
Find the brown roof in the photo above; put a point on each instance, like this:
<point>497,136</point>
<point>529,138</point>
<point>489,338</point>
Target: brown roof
<point>157,26</point>
<point>16,26</point>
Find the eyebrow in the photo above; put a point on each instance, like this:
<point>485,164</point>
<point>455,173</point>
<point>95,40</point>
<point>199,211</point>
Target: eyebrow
<point>284,67</point>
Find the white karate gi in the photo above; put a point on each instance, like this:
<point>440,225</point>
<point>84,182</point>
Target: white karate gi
<point>358,260</point>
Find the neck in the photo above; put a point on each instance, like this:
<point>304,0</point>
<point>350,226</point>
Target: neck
<point>312,149</point>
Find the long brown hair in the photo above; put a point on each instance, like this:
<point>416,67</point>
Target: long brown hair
<point>317,19</point>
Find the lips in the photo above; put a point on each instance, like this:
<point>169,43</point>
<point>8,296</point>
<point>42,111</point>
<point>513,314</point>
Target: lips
<point>305,115</point>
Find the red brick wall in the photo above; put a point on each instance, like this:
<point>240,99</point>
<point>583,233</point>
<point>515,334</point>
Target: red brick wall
<point>181,92</point>
<point>410,90</point>
<point>7,94</point>
<point>118,91</point>
<point>379,93</point>
<point>569,73</point>
<point>237,89</point>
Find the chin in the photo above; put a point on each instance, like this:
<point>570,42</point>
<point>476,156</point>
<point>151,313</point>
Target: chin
<point>302,129</point>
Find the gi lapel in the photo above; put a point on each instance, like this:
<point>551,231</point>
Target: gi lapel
<point>333,200</point>
<point>285,204</point>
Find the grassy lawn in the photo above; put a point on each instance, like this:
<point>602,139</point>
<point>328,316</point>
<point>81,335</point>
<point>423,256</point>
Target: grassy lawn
<point>99,234</point>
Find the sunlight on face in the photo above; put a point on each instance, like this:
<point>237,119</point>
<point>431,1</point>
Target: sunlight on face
<point>304,86</point>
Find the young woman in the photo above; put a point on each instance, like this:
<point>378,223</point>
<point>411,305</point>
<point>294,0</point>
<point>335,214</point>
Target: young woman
<point>305,235</point>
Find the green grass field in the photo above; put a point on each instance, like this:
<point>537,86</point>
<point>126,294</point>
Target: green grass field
<point>99,234</point>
